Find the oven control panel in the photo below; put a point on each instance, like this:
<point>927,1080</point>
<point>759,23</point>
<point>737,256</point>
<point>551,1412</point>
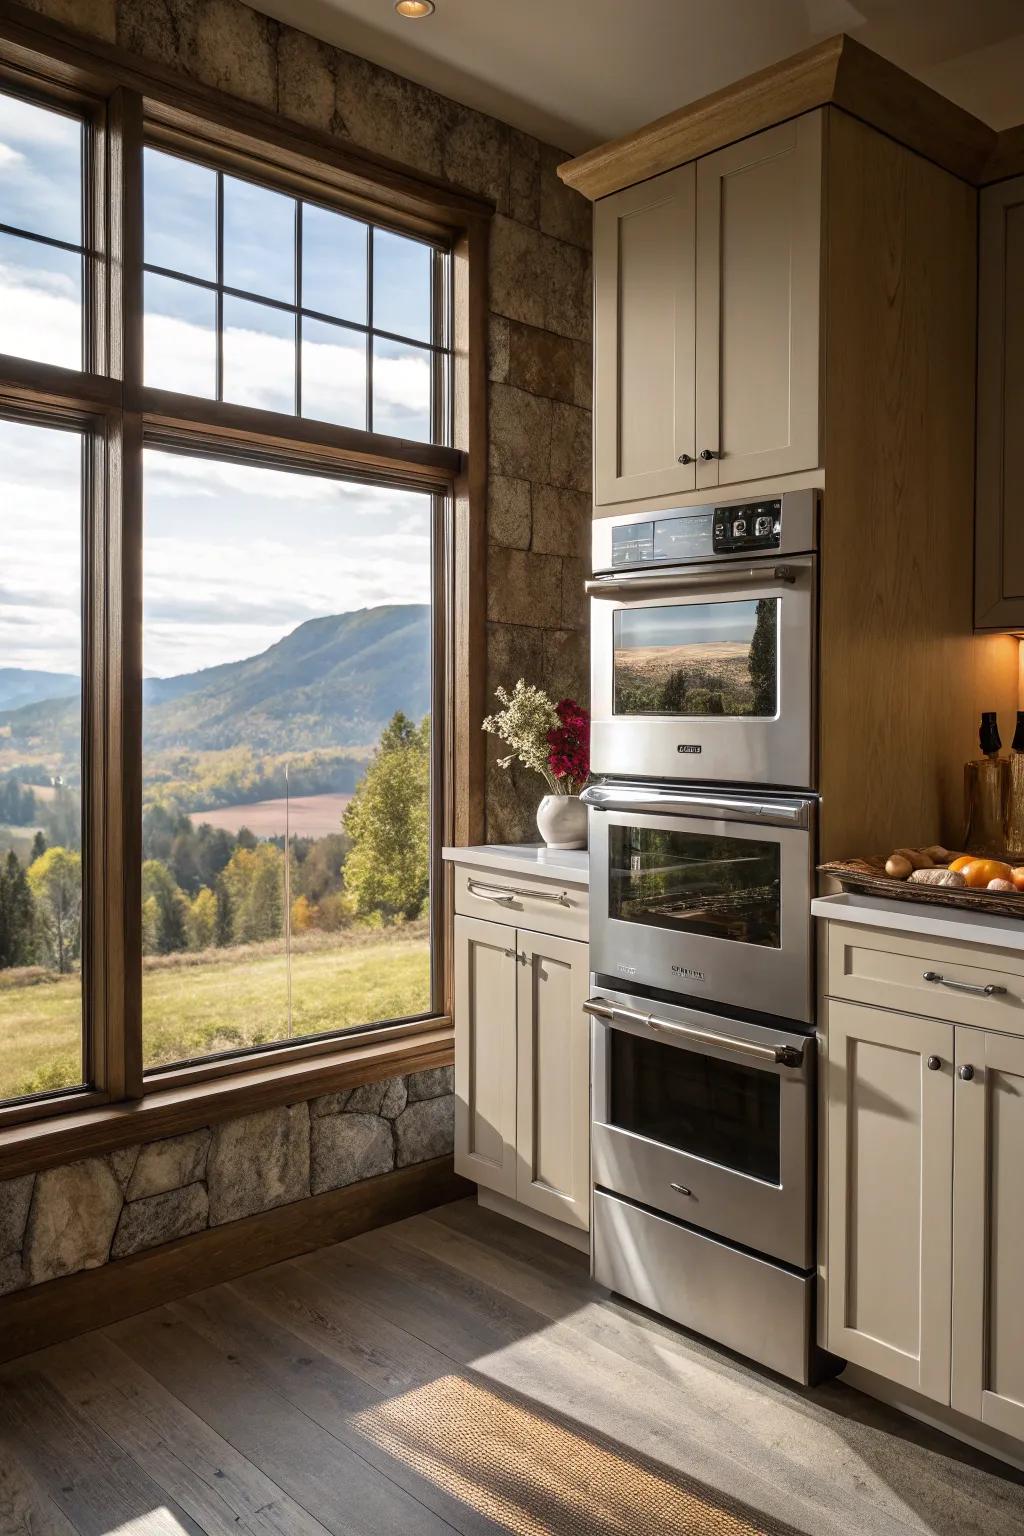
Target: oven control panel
<point>757,525</point>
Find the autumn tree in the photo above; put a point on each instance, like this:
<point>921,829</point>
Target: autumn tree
<point>168,905</point>
<point>387,871</point>
<point>201,923</point>
<point>55,881</point>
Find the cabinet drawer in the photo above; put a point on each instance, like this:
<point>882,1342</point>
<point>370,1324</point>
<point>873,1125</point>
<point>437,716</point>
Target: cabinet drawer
<point>888,970</point>
<point>547,906</point>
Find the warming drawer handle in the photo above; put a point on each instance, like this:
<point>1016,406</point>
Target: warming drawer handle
<point>509,893</point>
<point>610,1013</point>
<point>975,988</point>
<point>672,581</point>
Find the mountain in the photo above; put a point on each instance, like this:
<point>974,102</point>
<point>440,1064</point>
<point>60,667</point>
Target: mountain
<point>21,685</point>
<point>332,682</point>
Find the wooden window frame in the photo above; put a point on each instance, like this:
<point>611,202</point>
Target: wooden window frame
<point>128,105</point>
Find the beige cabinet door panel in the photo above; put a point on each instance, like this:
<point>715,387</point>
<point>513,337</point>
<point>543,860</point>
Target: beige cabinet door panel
<point>553,1135</point>
<point>644,339</point>
<point>485,1053</point>
<point>758,304</point>
<point>890,1167</point>
<point>999,566</point>
<point>988,1227</point>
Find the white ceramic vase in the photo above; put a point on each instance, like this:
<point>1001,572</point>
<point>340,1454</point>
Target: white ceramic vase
<point>562,821</point>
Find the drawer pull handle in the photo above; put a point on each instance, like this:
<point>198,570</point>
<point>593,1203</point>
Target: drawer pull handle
<point>975,988</point>
<point>934,1062</point>
<point>966,1073</point>
<point>508,893</point>
<point>681,1189</point>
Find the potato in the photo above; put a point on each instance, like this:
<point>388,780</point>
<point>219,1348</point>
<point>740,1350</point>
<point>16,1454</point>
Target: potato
<point>946,877</point>
<point>898,866</point>
<point>938,854</point>
<point>915,858</point>
<point>1000,885</point>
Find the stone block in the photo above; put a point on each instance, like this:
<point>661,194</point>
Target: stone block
<point>513,651</point>
<point>380,111</point>
<point>330,1103</point>
<point>367,1098</point>
<point>497,349</point>
<point>583,374</point>
<point>524,178</point>
<point>426,1129</point>
<point>561,521</point>
<point>305,80</point>
<point>565,214</point>
<point>15,1199</point>
<point>520,434</point>
<point>508,512</point>
<point>395,1099</point>
<point>568,301</point>
<point>434,1083</point>
<point>349,1147</point>
<point>12,1274</point>
<point>512,797</point>
<point>170,1164</point>
<point>164,30</point>
<point>566,668</point>
<point>540,362</point>
<point>475,154</point>
<point>258,1162</point>
<point>96,18</point>
<point>72,1219</point>
<point>523,588</point>
<point>519,278</point>
<point>160,1219</point>
<point>574,600</point>
<point>236,51</point>
<point>570,448</point>
<point>122,1163</point>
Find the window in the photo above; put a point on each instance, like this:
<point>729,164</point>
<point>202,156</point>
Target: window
<point>42,251</point>
<point>263,299</point>
<point>232,720</point>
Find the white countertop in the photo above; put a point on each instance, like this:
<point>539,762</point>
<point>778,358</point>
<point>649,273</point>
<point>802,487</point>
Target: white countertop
<point>934,922</point>
<point>569,864</point>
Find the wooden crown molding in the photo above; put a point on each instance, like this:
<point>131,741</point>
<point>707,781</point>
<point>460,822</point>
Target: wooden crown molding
<point>839,72</point>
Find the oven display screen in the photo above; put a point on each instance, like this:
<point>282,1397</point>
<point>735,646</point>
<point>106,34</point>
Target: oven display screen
<point>721,1111</point>
<point>694,660</point>
<point>693,883</point>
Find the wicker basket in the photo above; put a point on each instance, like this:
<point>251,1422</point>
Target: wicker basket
<point>868,878</point>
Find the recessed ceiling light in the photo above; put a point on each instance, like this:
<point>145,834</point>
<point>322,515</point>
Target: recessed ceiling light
<point>414,10</point>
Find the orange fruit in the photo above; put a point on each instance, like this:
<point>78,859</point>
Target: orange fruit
<point>978,872</point>
<point>1017,876</point>
<point>959,865</point>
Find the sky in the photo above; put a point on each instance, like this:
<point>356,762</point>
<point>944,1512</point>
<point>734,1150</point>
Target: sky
<point>690,624</point>
<point>234,556</point>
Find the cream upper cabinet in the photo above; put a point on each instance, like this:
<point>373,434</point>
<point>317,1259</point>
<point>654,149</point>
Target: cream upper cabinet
<point>707,314</point>
<point>553,1114</point>
<point>889,1094</point>
<point>988,1223</point>
<point>999,563</point>
<point>758,305</point>
<point>486,960</point>
<point>644,339</point>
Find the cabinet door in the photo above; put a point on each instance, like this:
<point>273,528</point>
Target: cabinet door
<point>553,1135</point>
<point>485,1053</point>
<point>890,1166</point>
<point>988,1227</point>
<point>999,566</point>
<point>644,339</point>
<point>758,299</point>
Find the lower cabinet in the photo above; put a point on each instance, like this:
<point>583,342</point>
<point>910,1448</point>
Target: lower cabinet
<point>522,1067</point>
<point>925,1221</point>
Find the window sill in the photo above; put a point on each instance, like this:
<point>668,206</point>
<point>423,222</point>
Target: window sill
<point>169,1111</point>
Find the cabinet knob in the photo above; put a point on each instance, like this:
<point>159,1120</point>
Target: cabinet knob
<point>684,458</point>
<point>966,1072</point>
<point>934,1063</point>
<point>708,453</point>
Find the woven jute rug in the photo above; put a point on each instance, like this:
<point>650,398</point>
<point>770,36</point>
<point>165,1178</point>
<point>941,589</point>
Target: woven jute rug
<point>536,1475</point>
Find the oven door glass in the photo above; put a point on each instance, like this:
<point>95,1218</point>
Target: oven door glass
<point>721,1111</point>
<point>696,883</point>
<point>694,660</point>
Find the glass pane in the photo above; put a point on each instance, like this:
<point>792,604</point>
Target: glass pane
<point>40,302</point>
<point>402,286</point>
<point>697,659</point>
<point>259,240</point>
<point>180,338</point>
<point>181,215</point>
<point>333,264</point>
<point>40,759</point>
<point>259,355</point>
<point>401,390</point>
<point>333,373</point>
<point>720,1111</point>
<point>286,652</point>
<point>40,170</point>
<point>723,887</point>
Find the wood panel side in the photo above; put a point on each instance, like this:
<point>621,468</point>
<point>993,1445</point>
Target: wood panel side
<point>60,1309</point>
<point>902,675</point>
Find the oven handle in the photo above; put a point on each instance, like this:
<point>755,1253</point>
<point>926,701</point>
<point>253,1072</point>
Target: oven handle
<point>672,581</point>
<point>610,1013</point>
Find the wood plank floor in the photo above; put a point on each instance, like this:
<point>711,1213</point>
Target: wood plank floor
<point>279,1405</point>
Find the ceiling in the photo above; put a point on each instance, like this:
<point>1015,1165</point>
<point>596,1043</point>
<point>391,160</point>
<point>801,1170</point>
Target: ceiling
<point>578,72</point>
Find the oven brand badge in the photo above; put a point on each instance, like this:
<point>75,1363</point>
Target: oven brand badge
<point>688,972</point>
<point>627,970</point>
<point>691,747</point>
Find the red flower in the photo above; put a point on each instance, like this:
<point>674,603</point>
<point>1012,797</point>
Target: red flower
<point>569,741</point>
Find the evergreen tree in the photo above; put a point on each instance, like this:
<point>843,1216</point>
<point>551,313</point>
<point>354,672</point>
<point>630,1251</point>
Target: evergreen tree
<point>170,907</point>
<point>17,914</point>
<point>761,662</point>
<point>38,846</point>
<point>387,871</point>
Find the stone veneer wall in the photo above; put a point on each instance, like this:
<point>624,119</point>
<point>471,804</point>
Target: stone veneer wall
<point>540,311</point>
<point>83,1214</point>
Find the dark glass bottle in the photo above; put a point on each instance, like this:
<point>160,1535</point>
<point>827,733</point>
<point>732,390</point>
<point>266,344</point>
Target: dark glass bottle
<point>987,793</point>
<point>1015,794</point>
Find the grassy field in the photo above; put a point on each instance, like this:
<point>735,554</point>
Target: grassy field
<point>220,1000</point>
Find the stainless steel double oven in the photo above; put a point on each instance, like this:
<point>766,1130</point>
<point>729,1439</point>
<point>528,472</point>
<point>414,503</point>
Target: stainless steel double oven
<point>702,845</point>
